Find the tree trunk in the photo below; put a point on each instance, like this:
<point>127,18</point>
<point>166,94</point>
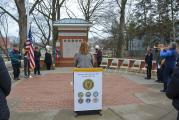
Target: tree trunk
<point>121,41</point>
<point>22,30</point>
<point>54,31</point>
<point>22,23</point>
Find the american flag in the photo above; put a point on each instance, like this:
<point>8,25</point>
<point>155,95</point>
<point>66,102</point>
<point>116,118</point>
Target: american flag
<point>30,49</point>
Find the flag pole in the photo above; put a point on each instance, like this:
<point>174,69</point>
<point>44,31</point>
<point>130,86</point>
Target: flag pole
<point>27,9</point>
<point>28,27</point>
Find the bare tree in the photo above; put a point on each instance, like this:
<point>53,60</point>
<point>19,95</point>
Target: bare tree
<point>91,8</point>
<point>121,28</point>
<point>22,17</point>
<point>43,23</point>
<point>4,34</point>
<point>56,6</point>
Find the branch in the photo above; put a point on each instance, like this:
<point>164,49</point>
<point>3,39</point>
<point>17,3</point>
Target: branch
<point>9,14</point>
<point>34,5</point>
<point>67,9</point>
<point>100,2</point>
<point>117,1</point>
<point>83,9</point>
<point>60,5</point>
<point>41,29</point>
<point>44,14</point>
<point>96,33</point>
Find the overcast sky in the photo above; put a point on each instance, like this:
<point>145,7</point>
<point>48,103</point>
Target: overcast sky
<point>71,4</point>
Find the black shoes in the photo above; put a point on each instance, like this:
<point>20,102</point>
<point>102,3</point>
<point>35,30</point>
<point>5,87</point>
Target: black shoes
<point>163,91</point>
<point>16,78</point>
<point>159,81</point>
<point>36,74</point>
<point>147,78</point>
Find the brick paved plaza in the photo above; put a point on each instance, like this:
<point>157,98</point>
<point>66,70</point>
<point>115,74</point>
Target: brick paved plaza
<point>53,91</point>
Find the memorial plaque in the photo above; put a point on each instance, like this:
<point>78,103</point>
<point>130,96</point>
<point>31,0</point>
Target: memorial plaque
<point>70,47</point>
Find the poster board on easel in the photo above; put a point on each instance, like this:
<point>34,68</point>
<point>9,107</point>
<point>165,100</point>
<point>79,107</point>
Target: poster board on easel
<point>87,89</point>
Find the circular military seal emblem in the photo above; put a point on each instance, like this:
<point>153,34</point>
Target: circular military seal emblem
<point>95,100</point>
<point>88,94</point>
<point>95,94</point>
<point>80,101</point>
<point>80,94</point>
<point>88,84</point>
<point>88,100</point>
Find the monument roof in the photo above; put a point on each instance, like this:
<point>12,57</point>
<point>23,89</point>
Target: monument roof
<point>72,22</point>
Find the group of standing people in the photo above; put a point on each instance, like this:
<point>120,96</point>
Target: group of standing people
<point>16,58</point>
<point>5,79</point>
<point>37,56</point>
<point>167,70</point>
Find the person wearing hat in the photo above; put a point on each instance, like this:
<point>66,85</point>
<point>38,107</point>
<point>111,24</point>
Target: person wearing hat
<point>170,55</point>
<point>48,60</point>
<point>5,88</point>
<point>98,55</point>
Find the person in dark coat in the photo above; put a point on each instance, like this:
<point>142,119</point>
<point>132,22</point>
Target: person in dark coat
<point>148,62</point>
<point>48,60</point>
<point>5,88</point>
<point>98,55</point>
<point>37,56</point>
<point>26,65</point>
<point>160,65</point>
<point>173,89</point>
<point>170,55</point>
<point>16,62</point>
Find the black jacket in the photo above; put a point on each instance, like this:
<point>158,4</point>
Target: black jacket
<point>37,55</point>
<point>99,56</point>
<point>48,58</point>
<point>173,88</point>
<point>5,79</point>
<point>148,59</point>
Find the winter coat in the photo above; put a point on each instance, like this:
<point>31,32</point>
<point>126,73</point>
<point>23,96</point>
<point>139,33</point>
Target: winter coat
<point>37,55</point>
<point>99,55</point>
<point>173,88</point>
<point>148,59</point>
<point>15,57</point>
<point>48,58</point>
<point>5,79</point>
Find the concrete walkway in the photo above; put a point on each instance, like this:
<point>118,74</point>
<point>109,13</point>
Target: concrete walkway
<point>127,96</point>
